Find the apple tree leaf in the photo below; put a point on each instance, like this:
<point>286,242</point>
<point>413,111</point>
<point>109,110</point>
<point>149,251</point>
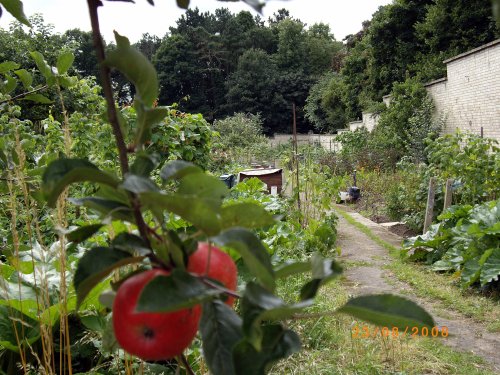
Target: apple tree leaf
<point>84,232</point>
<point>176,169</point>
<point>136,67</point>
<point>114,209</point>
<point>246,215</point>
<point>138,184</point>
<point>388,310</point>
<point>25,77</point>
<point>64,62</point>
<point>15,7</point>
<point>220,329</point>
<point>179,290</point>
<point>42,65</point>
<point>38,98</point>
<point>254,254</point>
<point>260,305</point>
<point>277,343</point>
<point>63,172</point>
<point>95,265</point>
<point>323,270</point>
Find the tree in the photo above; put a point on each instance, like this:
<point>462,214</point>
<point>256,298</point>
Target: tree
<point>394,43</point>
<point>85,63</point>
<point>148,45</point>
<point>253,89</point>
<point>405,125</point>
<point>457,26</point>
<point>324,107</point>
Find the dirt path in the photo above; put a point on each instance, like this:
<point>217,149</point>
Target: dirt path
<point>370,277</point>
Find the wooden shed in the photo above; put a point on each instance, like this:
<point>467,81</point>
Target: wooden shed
<point>273,178</point>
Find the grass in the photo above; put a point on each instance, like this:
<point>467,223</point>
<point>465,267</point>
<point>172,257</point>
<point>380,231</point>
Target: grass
<point>329,348</point>
<point>436,287</point>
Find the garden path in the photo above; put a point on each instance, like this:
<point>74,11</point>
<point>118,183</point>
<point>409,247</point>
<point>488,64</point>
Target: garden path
<point>368,276</point>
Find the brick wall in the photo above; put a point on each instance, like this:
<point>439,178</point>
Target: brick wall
<point>469,97</point>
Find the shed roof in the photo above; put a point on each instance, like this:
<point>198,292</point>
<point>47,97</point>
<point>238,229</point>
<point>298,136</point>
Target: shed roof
<point>261,172</point>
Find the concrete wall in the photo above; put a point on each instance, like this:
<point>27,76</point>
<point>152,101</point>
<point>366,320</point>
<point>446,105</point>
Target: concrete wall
<point>327,141</point>
<point>368,121</point>
<point>469,97</point>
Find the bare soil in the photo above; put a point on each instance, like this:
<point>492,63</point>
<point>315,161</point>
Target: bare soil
<point>370,277</point>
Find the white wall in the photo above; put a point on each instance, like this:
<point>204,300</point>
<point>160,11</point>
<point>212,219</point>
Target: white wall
<point>469,97</point>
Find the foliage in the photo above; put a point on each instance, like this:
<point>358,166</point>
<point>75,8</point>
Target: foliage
<point>138,209</point>
<point>226,63</point>
<point>239,140</point>
<point>404,126</point>
<point>466,241</point>
<point>324,106</point>
<point>472,161</point>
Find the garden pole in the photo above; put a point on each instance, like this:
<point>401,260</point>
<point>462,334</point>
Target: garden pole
<point>430,204</point>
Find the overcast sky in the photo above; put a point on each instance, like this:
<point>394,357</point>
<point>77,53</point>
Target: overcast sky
<point>132,20</point>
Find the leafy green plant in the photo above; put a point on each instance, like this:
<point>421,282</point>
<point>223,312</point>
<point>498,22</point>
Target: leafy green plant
<point>466,240</point>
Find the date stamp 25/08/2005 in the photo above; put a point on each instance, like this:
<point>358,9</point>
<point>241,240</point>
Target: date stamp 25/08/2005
<point>366,332</point>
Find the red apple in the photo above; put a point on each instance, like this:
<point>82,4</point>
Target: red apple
<point>222,267</point>
<point>151,336</point>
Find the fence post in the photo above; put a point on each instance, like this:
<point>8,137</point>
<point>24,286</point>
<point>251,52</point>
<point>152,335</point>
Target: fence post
<point>430,204</point>
<point>448,194</point>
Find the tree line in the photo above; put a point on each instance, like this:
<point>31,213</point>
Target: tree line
<point>221,63</point>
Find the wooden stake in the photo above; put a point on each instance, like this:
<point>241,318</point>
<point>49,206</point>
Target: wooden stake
<point>448,194</point>
<point>296,156</point>
<point>430,204</point>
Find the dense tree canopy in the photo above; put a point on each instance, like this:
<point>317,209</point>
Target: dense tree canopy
<point>221,63</point>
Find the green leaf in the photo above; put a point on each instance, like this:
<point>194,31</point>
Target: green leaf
<point>63,172</point>
<point>95,265</point>
<point>117,210</point>
<point>220,329</point>
<point>198,211</point>
<point>7,66</point>
<point>12,323</point>
<point>38,98</point>
<point>84,232</point>
<point>389,311</point>
<point>254,254</point>
<point>138,184</point>
<point>184,4</point>
<point>179,290</point>
<point>259,305</point>
<point>288,269</point>
<point>64,62</point>
<point>130,243</point>
<point>246,215</point>
<point>15,7</point>
<point>277,343</point>
<point>145,163</point>
<point>323,270</point>
<point>198,200</point>
<point>177,169</point>
<point>470,272</point>
<point>9,85</point>
<point>491,268</point>
<point>146,120</point>
<point>42,65</point>
<point>201,185</point>
<point>25,77</point>
<point>136,67</point>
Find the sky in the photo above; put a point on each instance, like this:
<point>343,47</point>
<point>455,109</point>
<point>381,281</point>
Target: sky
<point>133,20</point>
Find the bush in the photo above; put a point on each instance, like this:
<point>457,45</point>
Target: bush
<point>239,138</point>
<point>466,239</point>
